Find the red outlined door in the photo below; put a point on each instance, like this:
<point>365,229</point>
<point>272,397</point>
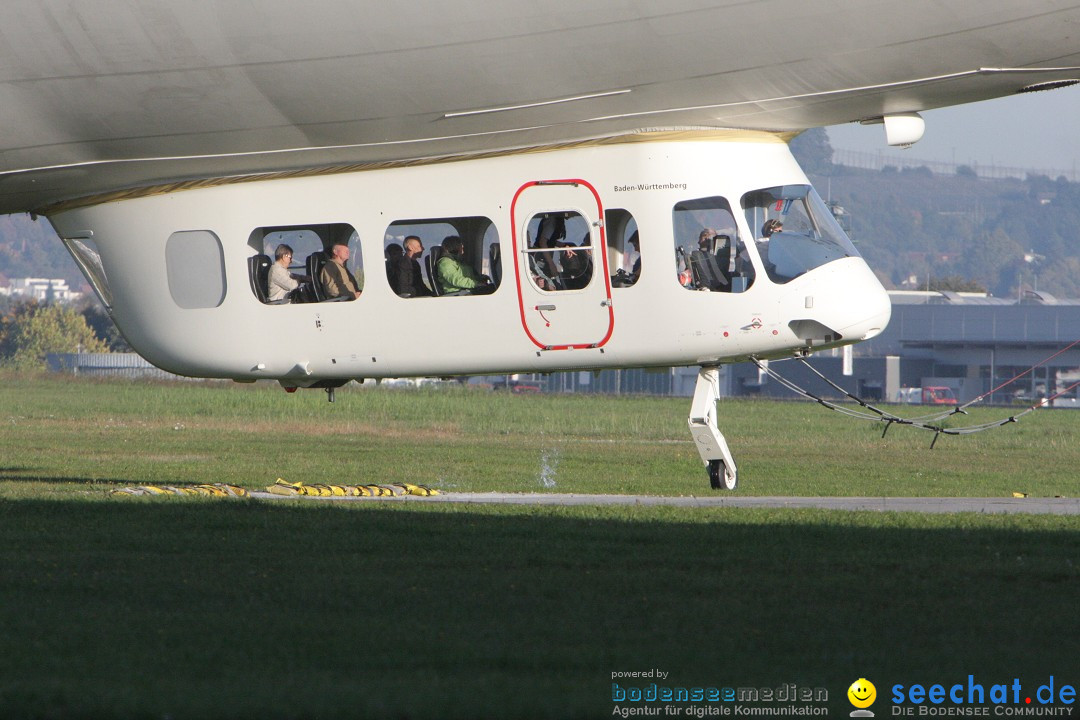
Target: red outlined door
<point>560,264</point>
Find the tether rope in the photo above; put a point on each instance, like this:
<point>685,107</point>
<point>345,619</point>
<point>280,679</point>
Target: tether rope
<point>931,422</point>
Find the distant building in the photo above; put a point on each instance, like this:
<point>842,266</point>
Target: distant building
<point>41,289</point>
<point>634,381</point>
<point>129,365</point>
<point>1006,351</point>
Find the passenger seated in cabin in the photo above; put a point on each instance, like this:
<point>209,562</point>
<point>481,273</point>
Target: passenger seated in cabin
<point>682,257</point>
<point>336,278</point>
<point>391,254</point>
<point>549,233</point>
<point>281,282</point>
<point>770,228</point>
<point>683,273</point>
<point>454,275</point>
<point>705,238</point>
<point>542,281</point>
<point>630,271</point>
<point>705,274</point>
<point>576,264</point>
<point>408,279</point>
<point>567,267</point>
<point>632,259</point>
<point>542,267</point>
<point>729,254</point>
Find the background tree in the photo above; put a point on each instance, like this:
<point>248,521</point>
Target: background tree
<point>993,260</point>
<point>31,331</point>
<point>1061,278</point>
<point>813,151</point>
<point>955,283</point>
<point>103,326</point>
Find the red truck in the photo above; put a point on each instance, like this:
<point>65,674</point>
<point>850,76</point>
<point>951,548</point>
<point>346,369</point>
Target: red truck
<point>930,395</point>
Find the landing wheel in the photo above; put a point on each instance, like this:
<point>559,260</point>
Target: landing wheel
<point>719,476</point>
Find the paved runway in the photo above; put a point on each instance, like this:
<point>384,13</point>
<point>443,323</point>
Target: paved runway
<point>1034,506</point>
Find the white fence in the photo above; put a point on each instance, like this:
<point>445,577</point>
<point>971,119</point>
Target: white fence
<point>129,365</point>
<point>900,160</point>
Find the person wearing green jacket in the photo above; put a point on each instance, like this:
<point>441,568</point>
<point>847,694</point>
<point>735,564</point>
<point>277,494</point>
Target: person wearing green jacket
<point>455,275</point>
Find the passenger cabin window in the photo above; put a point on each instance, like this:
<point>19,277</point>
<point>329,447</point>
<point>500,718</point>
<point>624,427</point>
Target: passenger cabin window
<point>195,267</point>
<point>306,264</point>
<point>709,254</point>
<point>559,251</point>
<point>795,231</point>
<point>442,257</point>
<point>624,249</point>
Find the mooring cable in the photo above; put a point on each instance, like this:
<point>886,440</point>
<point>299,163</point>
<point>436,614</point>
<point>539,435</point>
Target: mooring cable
<point>927,422</point>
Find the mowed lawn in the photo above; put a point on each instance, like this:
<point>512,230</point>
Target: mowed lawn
<point>229,608</point>
<point>60,432</point>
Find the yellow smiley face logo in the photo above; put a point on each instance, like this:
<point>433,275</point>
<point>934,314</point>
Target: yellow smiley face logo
<point>862,693</point>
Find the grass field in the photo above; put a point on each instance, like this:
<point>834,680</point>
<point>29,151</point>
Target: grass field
<point>60,433</point>
<point>190,608</point>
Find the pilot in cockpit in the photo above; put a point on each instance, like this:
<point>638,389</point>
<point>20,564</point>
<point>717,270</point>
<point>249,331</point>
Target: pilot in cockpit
<point>770,228</point>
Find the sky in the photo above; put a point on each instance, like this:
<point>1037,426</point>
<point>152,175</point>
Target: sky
<point>1040,131</point>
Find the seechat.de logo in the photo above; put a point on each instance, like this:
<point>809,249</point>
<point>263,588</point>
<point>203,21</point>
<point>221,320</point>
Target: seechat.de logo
<point>862,695</point>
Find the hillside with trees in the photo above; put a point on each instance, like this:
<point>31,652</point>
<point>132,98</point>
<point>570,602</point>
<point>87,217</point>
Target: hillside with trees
<point>918,229</point>
<point>30,248</point>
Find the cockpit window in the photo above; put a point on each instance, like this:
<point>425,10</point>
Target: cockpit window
<point>795,232</point>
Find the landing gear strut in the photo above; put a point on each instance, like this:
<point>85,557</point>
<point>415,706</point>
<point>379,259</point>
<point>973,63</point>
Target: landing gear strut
<point>710,442</point>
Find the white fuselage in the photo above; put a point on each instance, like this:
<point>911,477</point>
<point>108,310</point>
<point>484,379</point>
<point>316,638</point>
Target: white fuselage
<point>155,280</point>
